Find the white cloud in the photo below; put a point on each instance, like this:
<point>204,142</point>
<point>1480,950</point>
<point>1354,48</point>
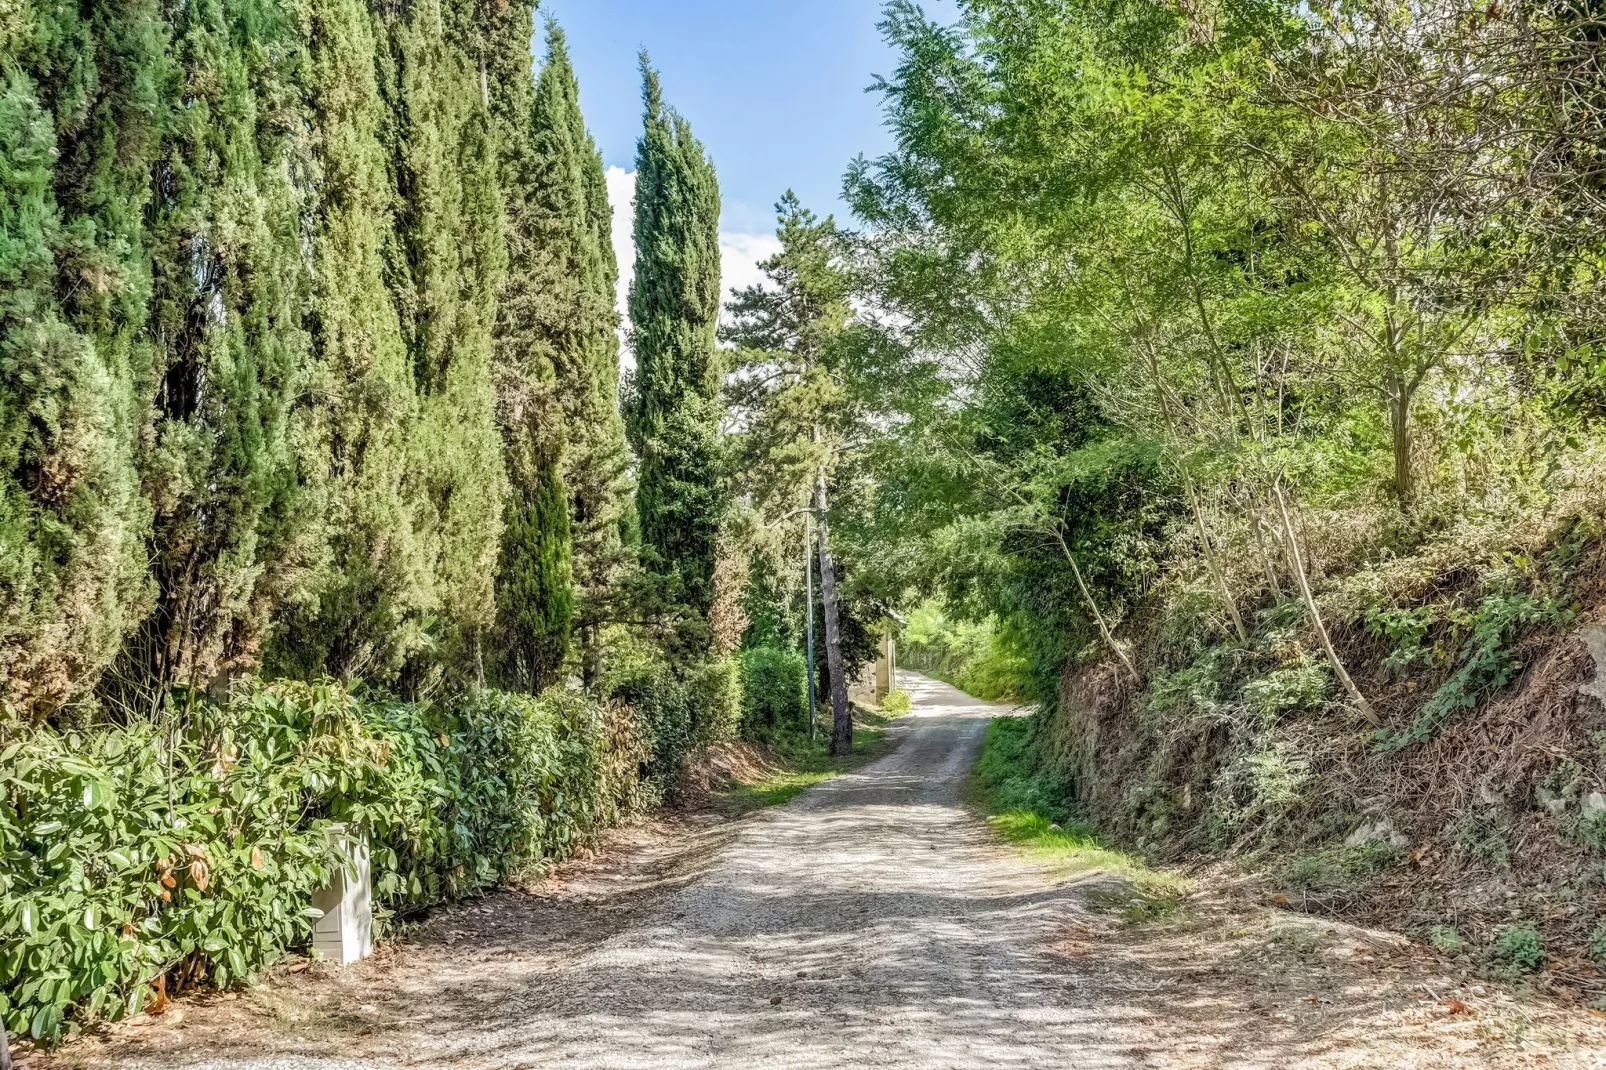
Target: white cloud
<point>740,253</point>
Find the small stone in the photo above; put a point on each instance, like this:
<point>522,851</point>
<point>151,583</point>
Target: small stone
<point>802,974</point>
<point>1551,802</point>
<point>1378,830</point>
<point>775,1001</point>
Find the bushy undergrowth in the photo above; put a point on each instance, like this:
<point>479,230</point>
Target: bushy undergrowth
<point>190,851</point>
<point>1033,808</point>
<point>1009,779</point>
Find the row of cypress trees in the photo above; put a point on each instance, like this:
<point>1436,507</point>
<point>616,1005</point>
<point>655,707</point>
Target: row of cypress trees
<point>308,352</point>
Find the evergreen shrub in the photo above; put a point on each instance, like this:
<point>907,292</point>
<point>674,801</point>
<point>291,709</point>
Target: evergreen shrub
<point>124,860</point>
<point>774,692</point>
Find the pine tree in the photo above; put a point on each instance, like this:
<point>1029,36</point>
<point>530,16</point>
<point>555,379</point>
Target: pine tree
<point>231,353</point>
<point>796,414</point>
<point>673,411</point>
<point>81,116</point>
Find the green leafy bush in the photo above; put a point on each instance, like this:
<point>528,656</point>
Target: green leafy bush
<point>774,692</point>
<point>896,702</point>
<point>1485,662</point>
<point>1285,691</point>
<point>716,698</point>
<point>1445,940</point>
<point>1518,948</point>
<point>678,710</point>
<point>125,857</point>
<point>1008,777</point>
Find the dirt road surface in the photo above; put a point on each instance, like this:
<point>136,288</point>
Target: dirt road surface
<point>873,922</point>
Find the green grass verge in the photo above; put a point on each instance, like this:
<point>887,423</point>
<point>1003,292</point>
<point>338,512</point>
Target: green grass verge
<point>803,764</point>
<point>1031,810</point>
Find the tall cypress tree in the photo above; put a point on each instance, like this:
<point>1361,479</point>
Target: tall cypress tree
<point>230,289</point>
<point>82,108</point>
<point>358,430</point>
<point>673,412</point>
<point>447,262</point>
<point>539,307</point>
<point>577,273</point>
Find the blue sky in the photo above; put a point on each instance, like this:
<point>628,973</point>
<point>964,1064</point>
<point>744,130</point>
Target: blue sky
<point>773,88</point>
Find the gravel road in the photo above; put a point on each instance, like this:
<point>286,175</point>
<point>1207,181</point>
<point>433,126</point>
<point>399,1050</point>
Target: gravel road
<point>873,922</point>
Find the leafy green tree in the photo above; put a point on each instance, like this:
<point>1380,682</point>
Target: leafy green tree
<point>673,409</point>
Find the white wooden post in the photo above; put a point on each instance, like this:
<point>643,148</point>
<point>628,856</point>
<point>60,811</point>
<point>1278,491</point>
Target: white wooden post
<point>345,933</point>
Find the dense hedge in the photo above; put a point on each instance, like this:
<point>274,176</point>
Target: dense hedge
<point>679,710</point>
<point>774,692</point>
<point>119,865</point>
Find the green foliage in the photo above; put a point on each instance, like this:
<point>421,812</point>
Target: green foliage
<point>1485,662</point>
<point>1597,946</point>
<point>359,612</point>
<point>1032,808</point>
<point>1591,831</point>
<point>84,98</point>
<point>976,657</point>
<point>774,692</point>
<point>535,602</point>
<point>1009,779</point>
<point>672,408</point>
<point>1482,838</point>
<point>897,701</point>
<point>1258,792</point>
<point>578,241</point>
<point>1293,690</point>
<point>1343,868</point>
<point>1446,941</point>
<point>229,295</point>
<point>124,860</point>
<point>679,707</point>
<point>1519,948</point>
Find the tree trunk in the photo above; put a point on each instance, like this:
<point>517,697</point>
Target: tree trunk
<point>841,714</point>
<point>1399,397</point>
<point>1333,661</point>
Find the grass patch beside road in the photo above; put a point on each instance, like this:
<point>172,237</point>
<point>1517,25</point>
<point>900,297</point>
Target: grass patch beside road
<point>1031,809</point>
<point>800,764</point>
